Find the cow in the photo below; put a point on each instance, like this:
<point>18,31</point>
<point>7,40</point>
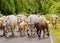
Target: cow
<point>10,23</point>
<point>22,28</point>
<point>2,25</point>
<point>42,25</point>
<point>54,20</point>
<point>21,22</point>
<point>32,19</point>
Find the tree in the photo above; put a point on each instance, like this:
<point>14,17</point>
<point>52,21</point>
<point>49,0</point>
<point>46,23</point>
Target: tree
<point>18,6</point>
<point>7,6</point>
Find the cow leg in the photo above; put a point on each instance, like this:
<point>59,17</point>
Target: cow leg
<point>34,30</point>
<point>39,33</point>
<point>24,31</point>
<point>21,32</point>
<point>28,32</point>
<point>5,32</point>
<point>47,32</point>
<point>31,32</point>
<point>12,31</point>
<point>43,32</point>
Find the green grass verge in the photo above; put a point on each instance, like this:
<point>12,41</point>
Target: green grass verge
<point>55,31</point>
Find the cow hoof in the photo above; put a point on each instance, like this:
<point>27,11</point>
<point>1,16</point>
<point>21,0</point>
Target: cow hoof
<point>1,36</point>
<point>48,35</point>
<point>28,34</point>
<point>39,36</point>
<point>33,33</point>
<point>21,35</point>
<point>6,36</point>
<point>12,35</point>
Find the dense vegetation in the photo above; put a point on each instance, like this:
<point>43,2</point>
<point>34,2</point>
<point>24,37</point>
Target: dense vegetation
<point>30,6</point>
<point>47,7</point>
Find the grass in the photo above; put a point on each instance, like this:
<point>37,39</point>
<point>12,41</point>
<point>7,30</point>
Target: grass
<point>55,31</point>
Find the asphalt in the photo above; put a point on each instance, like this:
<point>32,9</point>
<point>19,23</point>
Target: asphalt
<point>25,39</point>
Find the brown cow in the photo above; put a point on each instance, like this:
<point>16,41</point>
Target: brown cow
<point>22,27</point>
<point>2,25</point>
<point>21,22</point>
<point>42,25</point>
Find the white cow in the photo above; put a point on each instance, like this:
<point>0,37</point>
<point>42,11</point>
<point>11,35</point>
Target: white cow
<point>32,19</point>
<point>54,20</point>
<point>10,23</point>
<point>42,18</point>
<point>21,17</point>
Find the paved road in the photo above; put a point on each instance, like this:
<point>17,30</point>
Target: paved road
<point>18,39</point>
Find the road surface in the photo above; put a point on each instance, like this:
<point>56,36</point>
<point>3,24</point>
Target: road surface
<point>25,39</point>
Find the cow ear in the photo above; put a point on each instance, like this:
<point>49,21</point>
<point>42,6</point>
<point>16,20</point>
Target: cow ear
<point>56,17</point>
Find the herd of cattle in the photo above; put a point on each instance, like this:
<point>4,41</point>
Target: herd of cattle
<point>29,23</point>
